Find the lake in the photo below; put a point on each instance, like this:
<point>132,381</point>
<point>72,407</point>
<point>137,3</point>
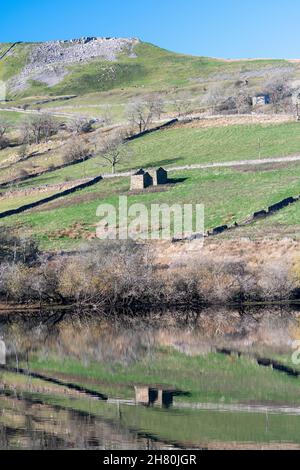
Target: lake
<point>215,379</point>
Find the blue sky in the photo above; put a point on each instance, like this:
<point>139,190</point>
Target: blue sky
<point>218,28</point>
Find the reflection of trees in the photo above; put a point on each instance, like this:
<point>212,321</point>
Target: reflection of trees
<point>128,339</point>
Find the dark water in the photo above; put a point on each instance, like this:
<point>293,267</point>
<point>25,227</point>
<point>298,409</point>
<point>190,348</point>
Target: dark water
<point>214,379</point>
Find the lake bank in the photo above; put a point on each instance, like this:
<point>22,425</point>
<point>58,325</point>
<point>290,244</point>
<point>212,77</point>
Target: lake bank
<point>117,275</point>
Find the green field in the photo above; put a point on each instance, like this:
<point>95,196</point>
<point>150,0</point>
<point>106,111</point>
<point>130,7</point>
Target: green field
<point>183,146</point>
<point>12,64</point>
<point>240,194</point>
<point>229,195</point>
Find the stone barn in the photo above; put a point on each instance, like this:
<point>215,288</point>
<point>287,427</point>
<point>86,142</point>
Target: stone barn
<point>159,176</point>
<point>141,180</point>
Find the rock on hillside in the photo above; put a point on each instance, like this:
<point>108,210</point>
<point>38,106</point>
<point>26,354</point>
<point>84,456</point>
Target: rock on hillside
<point>48,61</point>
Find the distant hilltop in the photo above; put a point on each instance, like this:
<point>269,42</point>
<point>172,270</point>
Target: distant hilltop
<point>87,39</point>
<point>47,61</point>
<point>89,64</point>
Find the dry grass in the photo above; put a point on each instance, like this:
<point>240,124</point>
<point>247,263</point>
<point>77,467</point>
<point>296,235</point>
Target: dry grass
<point>253,252</point>
<point>246,119</point>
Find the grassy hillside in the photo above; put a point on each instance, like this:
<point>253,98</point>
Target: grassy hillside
<point>153,68</point>
<point>169,148</point>
<point>229,195</point>
<point>13,63</point>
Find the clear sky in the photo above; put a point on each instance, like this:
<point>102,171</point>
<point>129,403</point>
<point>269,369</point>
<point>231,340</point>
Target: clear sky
<point>218,28</point>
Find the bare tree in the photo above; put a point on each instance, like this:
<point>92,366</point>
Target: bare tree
<point>39,129</point>
<point>77,150</point>
<point>275,280</point>
<point>23,151</point>
<point>81,125</point>
<point>242,100</point>
<point>113,150</point>
<point>3,134</point>
<point>15,248</point>
<point>214,96</point>
<point>142,113</point>
<point>183,106</point>
<point>107,117</point>
<point>280,92</point>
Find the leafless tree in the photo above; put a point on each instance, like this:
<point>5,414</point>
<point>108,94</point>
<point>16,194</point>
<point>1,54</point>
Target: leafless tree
<point>113,149</point>
<point>182,106</point>
<point>214,96</point>
<point>81,125</point>
<point>3,134</point>
<point>280,92</point>
<point>14,248</point>
<point>242,100</point>
<point>106,116</point>
<point>39,129</point>
<point>76,150</point>
<point>275,280</point>
<point>142,113</point>
<point>23,151</point>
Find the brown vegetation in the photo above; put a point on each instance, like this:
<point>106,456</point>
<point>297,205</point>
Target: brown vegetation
<point>142,113</point>
<point>3,134</point>
<point>76,150</point>
<point>39,129</point>
<point>127,274</point>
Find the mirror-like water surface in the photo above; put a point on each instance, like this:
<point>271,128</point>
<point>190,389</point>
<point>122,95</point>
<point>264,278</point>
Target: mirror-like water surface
<point>215,379</point>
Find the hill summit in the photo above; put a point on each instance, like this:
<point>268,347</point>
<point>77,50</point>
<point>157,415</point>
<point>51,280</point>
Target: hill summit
<point>46,62</point>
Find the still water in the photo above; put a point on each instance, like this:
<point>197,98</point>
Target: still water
<point>218,379</point>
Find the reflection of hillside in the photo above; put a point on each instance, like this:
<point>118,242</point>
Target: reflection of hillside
<point>27,424</point>
<point>130,339</point>
<point>155,394</point>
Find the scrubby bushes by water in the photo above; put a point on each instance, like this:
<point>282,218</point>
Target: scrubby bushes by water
<point>115,274</point>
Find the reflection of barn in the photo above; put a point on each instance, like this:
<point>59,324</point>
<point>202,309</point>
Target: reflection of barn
<point>143,179</point>
<point>153,396</point>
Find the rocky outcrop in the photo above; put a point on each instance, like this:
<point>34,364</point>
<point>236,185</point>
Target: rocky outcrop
<point>48,61</point>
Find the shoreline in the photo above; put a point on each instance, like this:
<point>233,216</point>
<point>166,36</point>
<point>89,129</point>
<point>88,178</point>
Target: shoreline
<point>138,311</point>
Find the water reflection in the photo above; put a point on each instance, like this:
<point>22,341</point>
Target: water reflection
<point>2,353</point>
<point>181,379</point>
